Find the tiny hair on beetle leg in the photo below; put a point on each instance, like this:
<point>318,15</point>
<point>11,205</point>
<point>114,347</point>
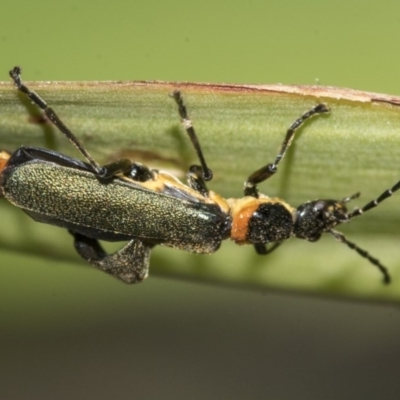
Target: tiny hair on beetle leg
<point>127,201</point>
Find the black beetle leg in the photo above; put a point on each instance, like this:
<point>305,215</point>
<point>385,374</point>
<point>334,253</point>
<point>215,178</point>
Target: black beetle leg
<point>263,250</point>
<point>126,167</point>
<point>196,181</point>
<point>264,173</point>
<point>198,174</point>
<point>15,75</point>
<point>130,264</point>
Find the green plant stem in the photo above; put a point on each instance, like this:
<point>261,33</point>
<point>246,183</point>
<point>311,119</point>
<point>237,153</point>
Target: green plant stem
<point>355,148</point>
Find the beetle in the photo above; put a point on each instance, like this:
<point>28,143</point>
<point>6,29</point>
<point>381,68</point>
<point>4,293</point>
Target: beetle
<point>127,201</point>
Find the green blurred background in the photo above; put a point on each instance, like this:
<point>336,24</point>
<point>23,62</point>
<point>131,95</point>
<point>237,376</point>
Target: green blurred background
<point>71,332</point>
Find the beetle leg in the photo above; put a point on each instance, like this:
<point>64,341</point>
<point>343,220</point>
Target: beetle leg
<point>15,75</point>
<point>262,174</point>
<point>130,264</point>
<point>198,174</point>
<point>196,181</point>
<point>123,166</point>
<point>126,167</point>
<point>263,250</point>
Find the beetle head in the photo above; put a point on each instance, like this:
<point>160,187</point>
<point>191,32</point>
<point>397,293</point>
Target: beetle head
<point>313,218</point>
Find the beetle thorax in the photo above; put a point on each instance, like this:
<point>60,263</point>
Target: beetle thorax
<point>261,220</point>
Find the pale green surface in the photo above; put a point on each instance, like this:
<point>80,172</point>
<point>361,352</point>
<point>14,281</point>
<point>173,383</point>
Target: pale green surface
<point>71,332</point>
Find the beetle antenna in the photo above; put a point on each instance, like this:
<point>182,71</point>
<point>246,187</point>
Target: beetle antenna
<point>187,124</point>
<point>372,204</point>
<point>350,198</point>
<point>15,75</point>
<point>363,253</point>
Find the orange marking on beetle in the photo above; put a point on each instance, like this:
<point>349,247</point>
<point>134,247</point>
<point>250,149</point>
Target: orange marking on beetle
<point>4,157</point>
<point>241,211</point>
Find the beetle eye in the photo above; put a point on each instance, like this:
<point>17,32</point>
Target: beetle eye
<point>319,206</point>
